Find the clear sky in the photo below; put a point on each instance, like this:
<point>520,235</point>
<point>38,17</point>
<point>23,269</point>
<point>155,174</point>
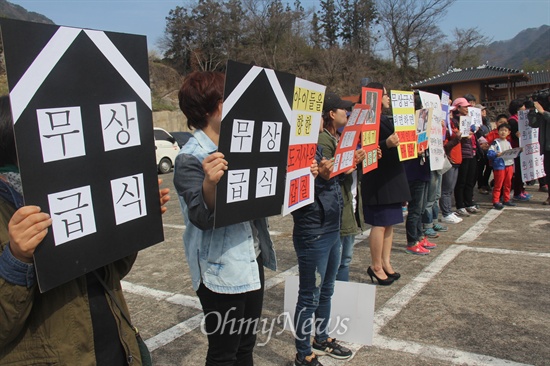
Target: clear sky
<point>497,19</point>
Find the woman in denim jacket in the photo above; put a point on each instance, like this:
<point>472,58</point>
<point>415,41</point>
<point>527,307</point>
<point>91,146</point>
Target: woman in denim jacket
<point>226,264</point>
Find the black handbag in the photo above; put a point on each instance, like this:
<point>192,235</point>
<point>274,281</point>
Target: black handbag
<point>146,359</point>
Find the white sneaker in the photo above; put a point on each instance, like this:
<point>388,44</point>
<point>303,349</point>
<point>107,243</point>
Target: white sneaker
<point>451,219</point>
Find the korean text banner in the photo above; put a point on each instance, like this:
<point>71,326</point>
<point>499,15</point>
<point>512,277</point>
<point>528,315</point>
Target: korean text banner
<point>371,129</point>
<point>81,107</point>
<point>402,103</point>
<point>532,166</point>
<point>344,156</point>
<point>254,138</point>
<point>445,98</point>
<point>436,137</point>
<point>307,107</point>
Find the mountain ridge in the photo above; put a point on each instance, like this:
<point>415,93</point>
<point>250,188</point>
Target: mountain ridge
<point>14,11</point>
<point>531,45</point>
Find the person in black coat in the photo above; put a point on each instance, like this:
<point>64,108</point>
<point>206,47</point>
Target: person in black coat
<point>383,191</point>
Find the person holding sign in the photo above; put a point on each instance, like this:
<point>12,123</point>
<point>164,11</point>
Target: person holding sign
<point>539,117</point>
<point>335,118</point>
<point>503,168</point>
<point>517,182</point>
<point>316,238</point>
<point>466,178</point>
<point>453,150</point>
<point>418,177</point>
<point>383,191</point>
<point>226,263</point>
<point>76,323</point>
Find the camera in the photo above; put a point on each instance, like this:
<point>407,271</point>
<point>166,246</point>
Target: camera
<point>540,96</point>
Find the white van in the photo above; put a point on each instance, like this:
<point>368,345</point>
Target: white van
<point>166,150</point>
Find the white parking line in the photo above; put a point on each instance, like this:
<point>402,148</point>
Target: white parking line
<point>534,209</point>
<point>439,353</point>
<point>507,251</point>
<point>385,314</point>
<point>179,330</point>
<point>173,298</point>
<point>171,334</point>
<point>393,306</point>
<point>475,231</point>
<point>181,227</point>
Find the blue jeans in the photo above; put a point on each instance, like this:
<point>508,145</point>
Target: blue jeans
<point>417,204</point>
<point>347,253</point>
<point>318,262</point>
<point>448,184</point>
<point>432,205</point>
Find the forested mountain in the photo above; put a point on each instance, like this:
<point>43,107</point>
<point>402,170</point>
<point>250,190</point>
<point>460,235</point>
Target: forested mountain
<point>9,10</point>
<point>528,49</point>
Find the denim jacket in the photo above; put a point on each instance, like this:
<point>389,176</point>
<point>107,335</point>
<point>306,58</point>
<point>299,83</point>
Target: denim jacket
<point>223,259</point>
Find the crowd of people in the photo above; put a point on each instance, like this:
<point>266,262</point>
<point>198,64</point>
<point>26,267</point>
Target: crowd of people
<point>227,264</point>
<point>324,231</point>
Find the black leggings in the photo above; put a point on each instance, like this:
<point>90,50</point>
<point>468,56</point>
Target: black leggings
<point>231,322</point>
<point>465,182</point>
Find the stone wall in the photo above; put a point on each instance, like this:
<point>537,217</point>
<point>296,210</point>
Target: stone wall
<point>170,120</point>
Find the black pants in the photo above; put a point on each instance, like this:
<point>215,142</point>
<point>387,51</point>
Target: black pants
<point>464,190</point>
<point>483,173</point>
<point>231,322</point>
<point>547,169</point>
<point>517,182</point>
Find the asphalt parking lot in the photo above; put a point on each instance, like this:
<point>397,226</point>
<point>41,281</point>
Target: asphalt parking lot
<point>482,297</point>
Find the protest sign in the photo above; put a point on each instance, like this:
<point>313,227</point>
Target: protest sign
<point>404,121</point>
<point>445,98</point>
<point>254,138</point>
<point>511,153</point>
<point>475,113</point>
<point>371,129</point>
<point>435,139</point>
<point>532,166</point>
<point>465,125</point>
<point>351,314</point>
<point>344,156</point>
<point>307,107</point>
<point>423,124</point>
<point>81,107</point>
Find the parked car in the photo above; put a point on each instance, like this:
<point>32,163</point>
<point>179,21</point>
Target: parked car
<point>166,150</point>
<point>181,137</point>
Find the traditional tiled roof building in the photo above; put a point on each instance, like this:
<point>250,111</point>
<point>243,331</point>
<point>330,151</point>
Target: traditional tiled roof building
<point>493,86</point>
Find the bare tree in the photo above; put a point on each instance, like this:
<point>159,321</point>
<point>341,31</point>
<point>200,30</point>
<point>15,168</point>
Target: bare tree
<point>410,26</point>
<point>463,50</point>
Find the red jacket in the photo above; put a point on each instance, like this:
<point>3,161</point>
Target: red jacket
<point>493,135</point>
<point>452,145</point>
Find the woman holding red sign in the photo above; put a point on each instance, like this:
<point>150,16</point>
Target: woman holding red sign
<point>383,191</point>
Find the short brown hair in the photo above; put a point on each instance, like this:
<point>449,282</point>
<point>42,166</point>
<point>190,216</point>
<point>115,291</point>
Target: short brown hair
<point>199,96</point>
